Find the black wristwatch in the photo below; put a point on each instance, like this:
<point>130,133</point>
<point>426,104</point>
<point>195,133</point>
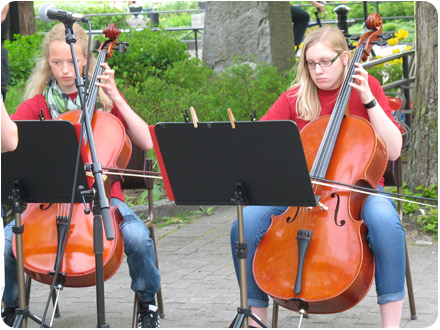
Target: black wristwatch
<point>371,104</point>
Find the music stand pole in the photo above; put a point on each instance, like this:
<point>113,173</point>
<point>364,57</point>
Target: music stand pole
<point>23,308</point>
<point>243,312</point>
<point>102,211</point>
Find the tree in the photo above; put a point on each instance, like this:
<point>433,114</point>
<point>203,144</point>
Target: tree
<point>423,149</point>
<point>23,17</point>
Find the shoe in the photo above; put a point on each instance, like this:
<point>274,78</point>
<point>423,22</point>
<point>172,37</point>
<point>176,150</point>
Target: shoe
<point>8,315</point>
<point>148,315</point>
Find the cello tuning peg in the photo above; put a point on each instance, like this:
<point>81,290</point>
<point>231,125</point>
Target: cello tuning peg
<point>386,36</point>
<point>381,42</point>
<point>96,44</point>
<point>122,47</point>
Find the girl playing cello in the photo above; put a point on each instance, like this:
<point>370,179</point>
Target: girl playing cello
<point>52,91</point>
<point>321,71</point>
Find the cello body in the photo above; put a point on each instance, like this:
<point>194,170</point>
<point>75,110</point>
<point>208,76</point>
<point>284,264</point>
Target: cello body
<point>40,244</point>
<point>338,268</point>
<point>41,239</point>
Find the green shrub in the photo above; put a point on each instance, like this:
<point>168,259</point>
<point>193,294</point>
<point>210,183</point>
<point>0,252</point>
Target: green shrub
<point>147,49</point>
<point>22,54</point>
<point>428,216</point>
<point>429,221</point>
<point>387,72</point>
<point>190,83</point>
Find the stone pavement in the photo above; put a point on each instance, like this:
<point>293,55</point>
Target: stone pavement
<point>200,289</point>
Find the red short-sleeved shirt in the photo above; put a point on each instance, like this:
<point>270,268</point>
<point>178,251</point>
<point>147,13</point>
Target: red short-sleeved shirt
<point>36,109</point>
<point>285,107</point>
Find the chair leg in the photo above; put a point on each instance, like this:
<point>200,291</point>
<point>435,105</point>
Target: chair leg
<point>135,311</point>
<point>275,308</point>
<point>409,285</point>
<point>28,296</point>
<point>159,293</point>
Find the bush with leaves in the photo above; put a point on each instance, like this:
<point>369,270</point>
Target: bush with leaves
<point>190,83</point>
<point>22,54</point>
<point>149,52</point>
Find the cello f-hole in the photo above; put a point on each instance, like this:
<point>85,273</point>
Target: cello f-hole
<point>342,222</point>
<point>42,208</point>
<point>291,220</point>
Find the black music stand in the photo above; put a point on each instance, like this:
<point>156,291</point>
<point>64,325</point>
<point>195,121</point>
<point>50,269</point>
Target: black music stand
<point>250,163</point>
<point>40,170</point>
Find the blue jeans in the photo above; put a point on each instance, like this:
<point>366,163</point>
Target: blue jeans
<point>385,235</point>
<point>138,245</point>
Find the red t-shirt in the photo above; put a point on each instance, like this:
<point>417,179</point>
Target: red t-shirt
<point>36,109</point>
<point>285,107</point>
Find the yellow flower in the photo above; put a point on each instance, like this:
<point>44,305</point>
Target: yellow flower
<point>408,47</point>
<point>395,51</point>
<point>401,34</point>
<point>393,41</point>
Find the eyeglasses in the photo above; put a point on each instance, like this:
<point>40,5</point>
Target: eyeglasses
<point>323,63</point>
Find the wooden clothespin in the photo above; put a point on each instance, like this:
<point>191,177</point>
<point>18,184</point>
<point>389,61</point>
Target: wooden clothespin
<point>231,118</point>
<point>195,120</point>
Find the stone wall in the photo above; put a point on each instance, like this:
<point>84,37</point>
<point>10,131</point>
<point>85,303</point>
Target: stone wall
<point>259,31</point>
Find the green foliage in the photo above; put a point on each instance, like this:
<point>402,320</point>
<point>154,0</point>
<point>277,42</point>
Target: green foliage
<point>429,221</point>
<point>22,54</point>
<point>387,72</point>
<point>428,218</point>
<point>190,83</point>
<point>149,52</point>
<point>386,9</point>
<point>14,96</point>
<point>390,9</point>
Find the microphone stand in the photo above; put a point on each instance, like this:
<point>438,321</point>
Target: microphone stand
<point>101,208</point>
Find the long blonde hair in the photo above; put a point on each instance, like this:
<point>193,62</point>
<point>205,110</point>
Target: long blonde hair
<point>308,106</point>
<point>42,73</point>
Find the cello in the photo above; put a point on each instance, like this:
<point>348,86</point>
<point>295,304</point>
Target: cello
<point>329,268</point>
<point>43,238</point>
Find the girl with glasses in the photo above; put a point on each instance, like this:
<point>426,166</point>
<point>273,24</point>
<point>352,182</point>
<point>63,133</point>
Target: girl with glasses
<point>321,71</point>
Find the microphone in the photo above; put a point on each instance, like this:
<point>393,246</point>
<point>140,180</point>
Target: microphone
<point>49,12</point>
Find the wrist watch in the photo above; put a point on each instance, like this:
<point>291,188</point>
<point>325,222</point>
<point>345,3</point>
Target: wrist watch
<point>371,104</point>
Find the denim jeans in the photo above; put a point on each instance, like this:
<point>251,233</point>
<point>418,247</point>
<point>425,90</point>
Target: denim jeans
<point>141,257</point>
<point>385,236</point>
<point>138,245</point>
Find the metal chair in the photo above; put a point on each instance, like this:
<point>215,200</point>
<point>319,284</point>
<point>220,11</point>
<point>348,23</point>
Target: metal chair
<point>139,161</point>
<point>397,102</point>
<point>393,177</point>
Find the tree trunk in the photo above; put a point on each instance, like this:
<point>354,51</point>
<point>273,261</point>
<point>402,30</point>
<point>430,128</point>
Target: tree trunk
<point>423,148</point>
<point>23,17</point>
<point>258,31</point>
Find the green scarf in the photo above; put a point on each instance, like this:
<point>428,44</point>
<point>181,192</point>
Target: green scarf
<point>58,101</point>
